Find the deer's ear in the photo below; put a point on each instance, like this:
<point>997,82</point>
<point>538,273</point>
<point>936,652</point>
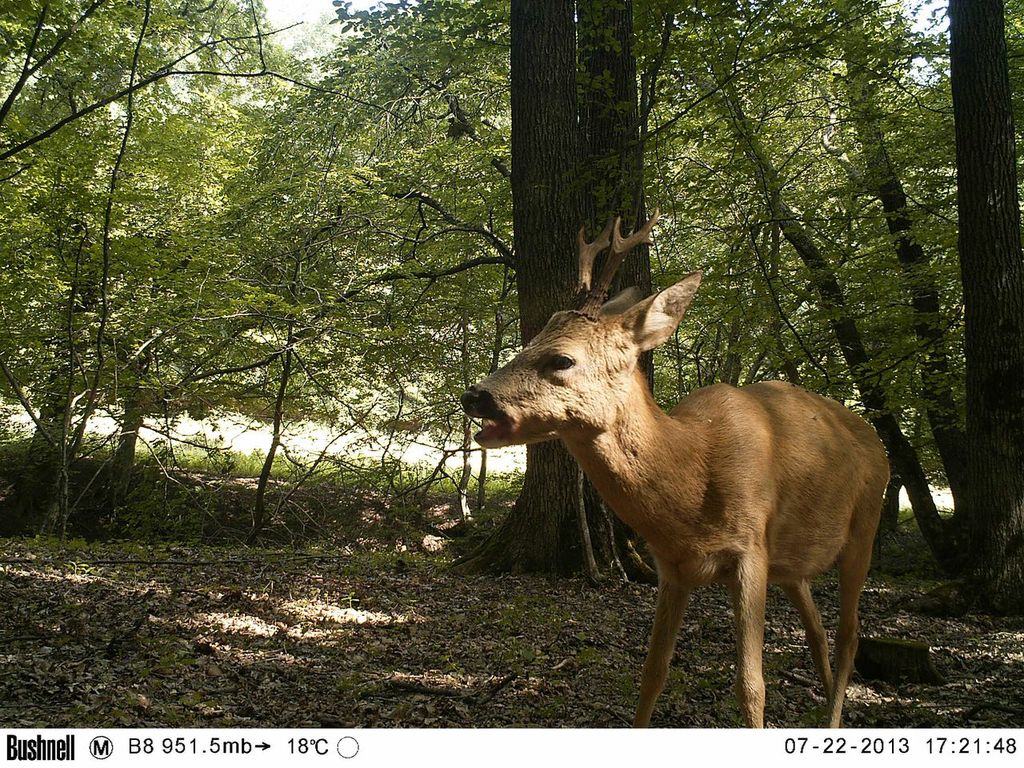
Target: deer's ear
<point>653,320</point>
<point>621,301</point>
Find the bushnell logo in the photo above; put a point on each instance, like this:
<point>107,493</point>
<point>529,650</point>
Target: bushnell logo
<point>39,749</point>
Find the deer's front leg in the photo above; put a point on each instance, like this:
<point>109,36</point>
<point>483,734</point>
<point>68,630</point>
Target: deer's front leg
<point>748,596</point>
<point>668,617</point>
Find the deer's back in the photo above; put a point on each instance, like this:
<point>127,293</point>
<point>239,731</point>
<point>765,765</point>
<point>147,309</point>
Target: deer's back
<point>784,464</point>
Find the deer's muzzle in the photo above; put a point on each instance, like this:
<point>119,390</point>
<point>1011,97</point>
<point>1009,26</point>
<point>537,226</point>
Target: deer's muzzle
<point>479,403</point>
<point>497,426</point>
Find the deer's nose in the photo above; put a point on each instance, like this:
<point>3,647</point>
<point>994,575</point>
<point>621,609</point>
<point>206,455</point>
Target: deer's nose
<point>479,402</point>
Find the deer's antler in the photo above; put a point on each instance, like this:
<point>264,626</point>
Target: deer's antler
<point>620,248</point>
<point>589,251</point>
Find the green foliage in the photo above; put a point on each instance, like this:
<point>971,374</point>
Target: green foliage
<point>317,239</point>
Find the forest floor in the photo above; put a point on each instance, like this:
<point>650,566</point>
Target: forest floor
<point>126,635</point>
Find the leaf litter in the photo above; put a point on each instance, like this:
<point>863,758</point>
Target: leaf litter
<point>117,635</point>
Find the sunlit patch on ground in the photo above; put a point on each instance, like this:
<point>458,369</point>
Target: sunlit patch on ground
<point>317,611</point>
<point>72,576</point>
<point>242,624</point>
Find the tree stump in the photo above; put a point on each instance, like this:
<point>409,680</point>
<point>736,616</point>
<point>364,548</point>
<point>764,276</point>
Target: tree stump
<point>896,661</point>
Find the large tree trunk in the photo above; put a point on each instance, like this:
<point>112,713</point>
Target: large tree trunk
<point>613,179</point>
<point>613,165</point>
<point>542,532</point>
<point>992,271</point>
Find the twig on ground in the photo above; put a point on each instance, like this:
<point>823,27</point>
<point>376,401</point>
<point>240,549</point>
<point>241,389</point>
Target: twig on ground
<point>796,677</point>
<point>495,688</point>
<point>472,696</point>
<point>979,708</point>
<point>614,713</point>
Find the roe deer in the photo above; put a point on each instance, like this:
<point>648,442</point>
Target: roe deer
<point>741,486</point>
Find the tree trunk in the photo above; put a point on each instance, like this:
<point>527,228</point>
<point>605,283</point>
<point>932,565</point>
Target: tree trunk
<point>481,482</point>
<point>462,489</point>
<point>879,178</point>
<point>613,178</point>
<point>613,163</point>
<point>259,515</point>
<point>902,454</point>
<point>542,532</point>
<point>891,505</point>
<point>123,463</point>
<point>992,271</point>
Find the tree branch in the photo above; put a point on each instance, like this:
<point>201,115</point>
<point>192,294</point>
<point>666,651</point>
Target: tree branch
<point>30,69</point>
<point>25,403</point>
<point>194,377</point>
<point>169,70</point>
<point>390,277</point>
<point>499,245</point>
<point>650,79</point>
<point>829,134</point>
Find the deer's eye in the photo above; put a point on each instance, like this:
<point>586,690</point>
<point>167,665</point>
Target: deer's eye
<point>561,362</point>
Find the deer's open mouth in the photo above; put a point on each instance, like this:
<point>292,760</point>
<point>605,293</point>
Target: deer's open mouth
<point>496,431</point>
<point>498,427</point>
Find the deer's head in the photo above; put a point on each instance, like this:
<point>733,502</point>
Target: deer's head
<point>575,374</point>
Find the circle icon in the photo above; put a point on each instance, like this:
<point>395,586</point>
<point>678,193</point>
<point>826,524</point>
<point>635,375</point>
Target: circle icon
<point>101,747</point>
<point>348,747</point>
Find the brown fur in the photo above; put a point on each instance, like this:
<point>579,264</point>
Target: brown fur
<point>765,483</point>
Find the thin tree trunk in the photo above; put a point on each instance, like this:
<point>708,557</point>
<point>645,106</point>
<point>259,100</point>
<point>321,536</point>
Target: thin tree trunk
<point>879,178</point>
<point>844,326</point>
<point>467,428</point>
<point>122,465</point>
<point>992,271</point>
<point>259,513</point>
<point>590,568</point>
<point>499,339</point>
<point>465,513</point>
<point>481,482</point>
<point>71,439</point>
<point>133,404</point>
<point>891,504</point>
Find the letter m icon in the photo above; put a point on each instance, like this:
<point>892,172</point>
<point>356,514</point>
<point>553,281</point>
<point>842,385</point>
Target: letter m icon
<point>101,747</point>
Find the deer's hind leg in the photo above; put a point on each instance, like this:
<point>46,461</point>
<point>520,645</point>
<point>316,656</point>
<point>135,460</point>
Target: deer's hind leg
<point>800,595</point>
<point>854,562</point>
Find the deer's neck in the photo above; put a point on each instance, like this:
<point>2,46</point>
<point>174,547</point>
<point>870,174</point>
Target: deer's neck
<point>649,467</point>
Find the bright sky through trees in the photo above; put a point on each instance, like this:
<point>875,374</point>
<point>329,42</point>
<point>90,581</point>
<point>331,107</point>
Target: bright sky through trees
<point>284,12</point>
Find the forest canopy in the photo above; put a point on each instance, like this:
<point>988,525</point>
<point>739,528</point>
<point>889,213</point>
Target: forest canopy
<point>206,216</point>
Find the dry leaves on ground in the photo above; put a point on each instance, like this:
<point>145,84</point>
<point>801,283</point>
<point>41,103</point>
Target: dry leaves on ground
<point>214,637</point>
